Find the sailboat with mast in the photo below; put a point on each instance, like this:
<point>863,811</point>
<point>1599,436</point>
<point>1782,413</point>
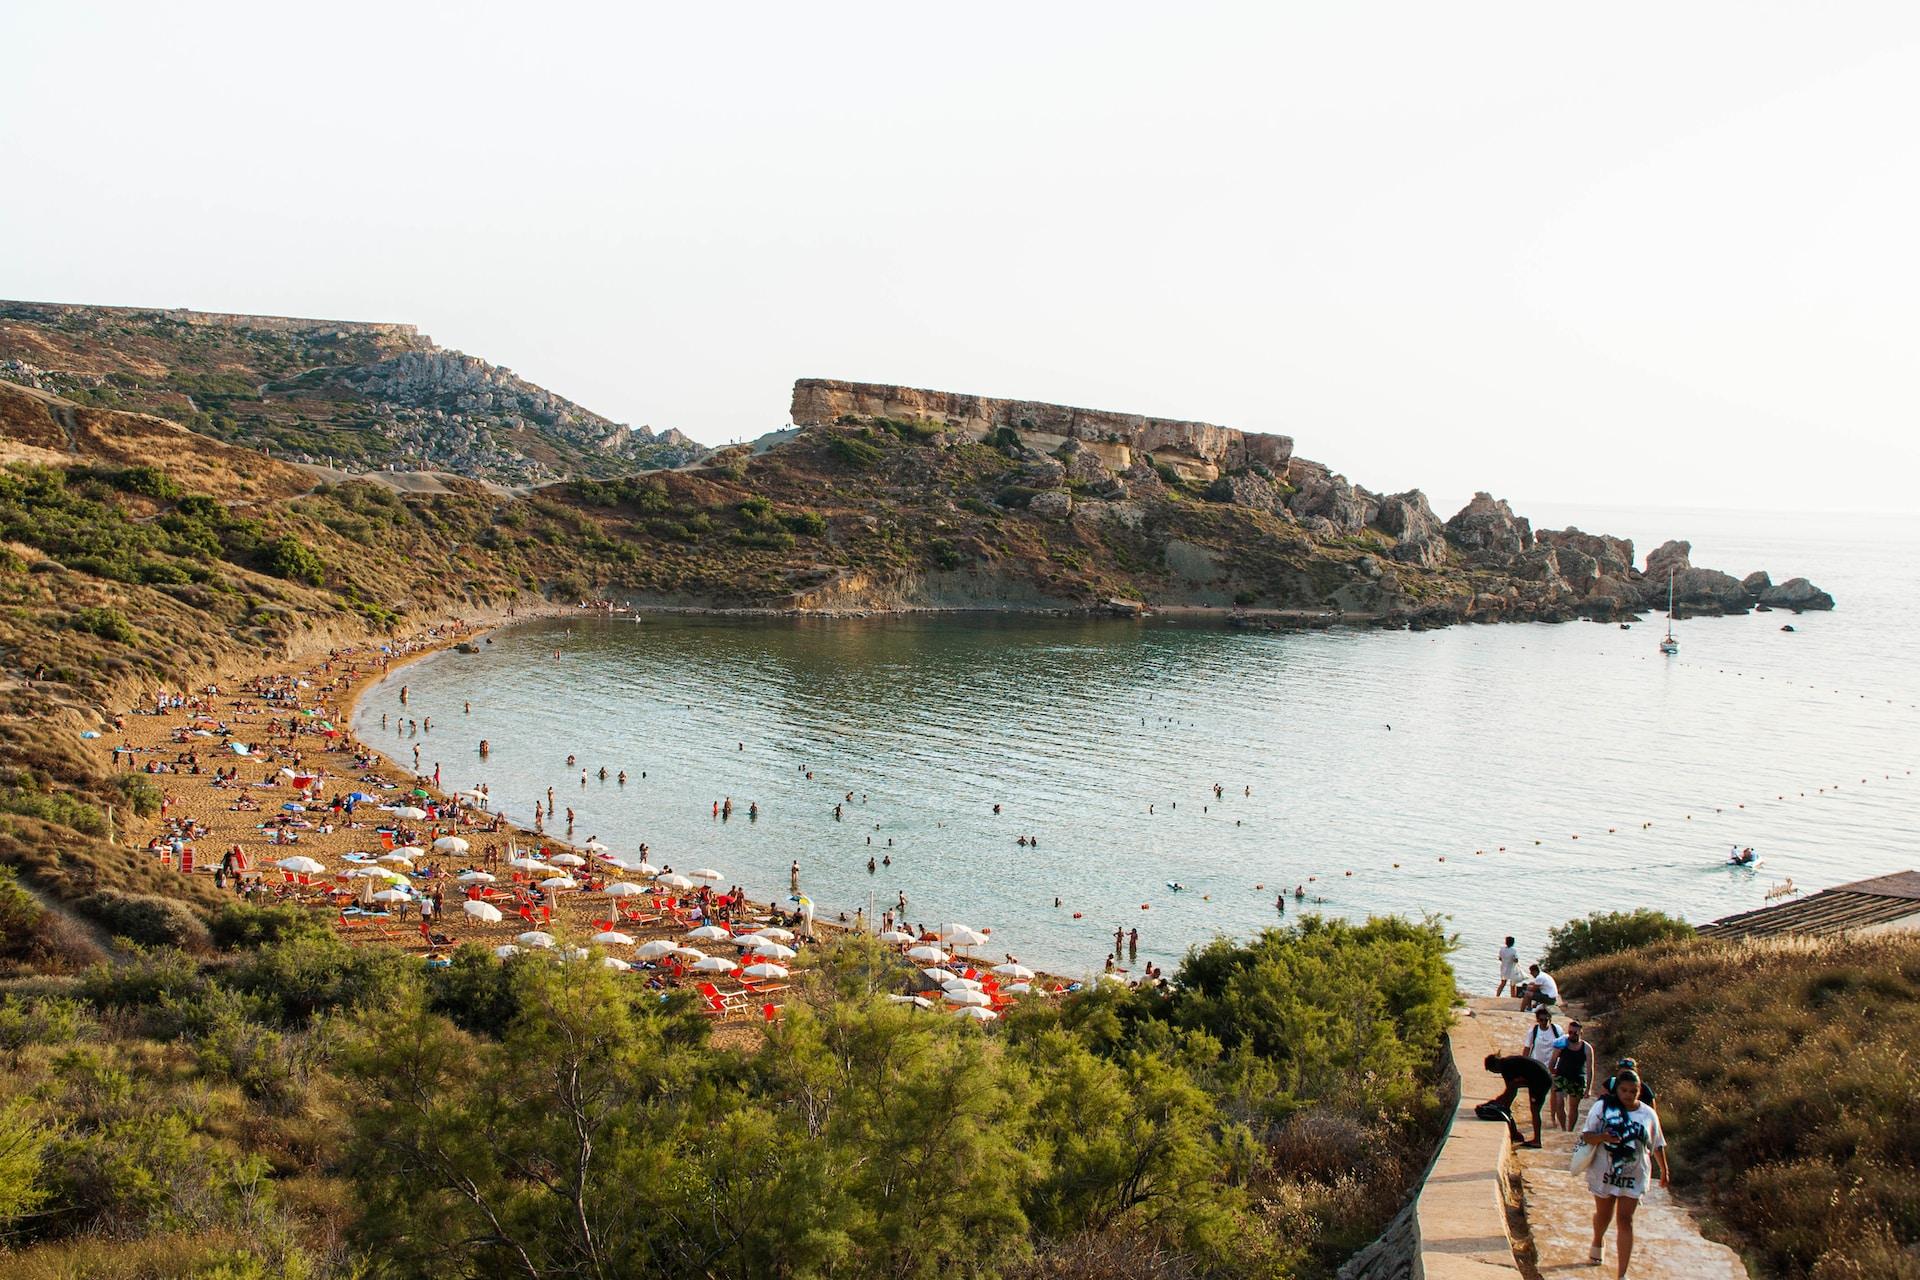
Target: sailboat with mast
<point>1668,645</point>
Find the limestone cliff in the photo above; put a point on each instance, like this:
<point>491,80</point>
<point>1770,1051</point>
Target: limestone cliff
<point>1197,451</point>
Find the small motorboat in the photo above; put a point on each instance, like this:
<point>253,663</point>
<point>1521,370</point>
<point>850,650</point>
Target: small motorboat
<point>1788,627</point>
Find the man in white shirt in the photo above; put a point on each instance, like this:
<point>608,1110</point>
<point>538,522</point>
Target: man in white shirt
<point>1541,1035</point>
<point>1539,990</point>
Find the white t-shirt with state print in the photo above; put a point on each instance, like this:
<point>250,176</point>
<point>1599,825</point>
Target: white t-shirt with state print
<point>1624,1164</point>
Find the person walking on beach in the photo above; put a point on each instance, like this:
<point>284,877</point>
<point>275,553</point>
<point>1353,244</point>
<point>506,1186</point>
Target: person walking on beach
<point>1629,1139</point>
<point>1509,967</point>
<point>1571,1067</point>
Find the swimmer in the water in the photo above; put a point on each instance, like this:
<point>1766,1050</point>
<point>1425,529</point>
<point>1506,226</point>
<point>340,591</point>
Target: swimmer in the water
<point>603,773</point>
<point>569,761</point>
<point>872,866</point>
<point>623,777</point>
<point>886,860</point>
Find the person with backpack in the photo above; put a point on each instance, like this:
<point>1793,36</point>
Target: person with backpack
<point>1571,1067</point>
<point>1540,1037</point>
<point>1626,1141</point>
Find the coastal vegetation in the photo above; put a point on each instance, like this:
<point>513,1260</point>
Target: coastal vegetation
<point>1603,933</point>
<point>1786,1081</point>
<point>288,1104</point>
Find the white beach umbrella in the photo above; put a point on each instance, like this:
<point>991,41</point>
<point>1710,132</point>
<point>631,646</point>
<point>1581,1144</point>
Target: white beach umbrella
<point>408,812</point>
<point>774,951</point>
<point>976,1013</point>
<point>961,936</point>
<point>567,860</point>
<point>1019,988</point>
<point>392,895</point>
<point>450,844</point>
<point>528,864</point>
<point>396,858</point>
<point>535,938</point>
<point>938,975</point>
<point>713,964</point>
<point>898,937</point>
<point>928,955</point>
<point>483,911</point>
<point>706,873</point>
<point>615,963</point>
<point>301,865</point>
<point>643,868</point>
<point>676,883</point>
<point>389,874</point>
<point>654,950</point>
<point>506,949</point>
<point>475,877</point>
<point>690,954</point>
<point>408,851</point>
<point>777,934</point>
<point>748,941</point>
<point>559,882</point>
<point>918,1001</point>
<point>963,996</point>
<point>624,889</point>
<point>613,938</point>
<point>1011,970</point>
<point>765,971</point>
<point>960,984</point>
<point>709,933</point>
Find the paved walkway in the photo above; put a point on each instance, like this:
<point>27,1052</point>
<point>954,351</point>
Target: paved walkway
<point>1559,1211</point>
<point>1463,1203</point>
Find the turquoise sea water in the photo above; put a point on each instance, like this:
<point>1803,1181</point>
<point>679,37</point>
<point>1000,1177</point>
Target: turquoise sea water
<point>1501,737</point>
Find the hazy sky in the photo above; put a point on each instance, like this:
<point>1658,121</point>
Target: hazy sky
<point>1646,253</point>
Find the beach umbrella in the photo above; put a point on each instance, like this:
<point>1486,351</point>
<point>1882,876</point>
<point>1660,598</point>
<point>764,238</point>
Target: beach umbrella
<point>643,868</point>
<point>765,970</point>
<point>388,874</point>
<point>1019,988</point>
<point>976,1013</point>
<point>565,859</point>
<point>776,933</point>
<point>408,851</point>
<point>624,889</point>
<point>748,941</point>
<point>706,873</point>
<point>689,954</point>
<point>405,859</point>
<point>713,964</point>
<point>937,975</point>
<point>422,793</point>
<point>677,883</point>
<point>482,911</point>
<point>408,812</point>
<point>528,864</point>
<point>450,844</point>
<point>1011,970</point>
<point>961,936</point>
<point>535,938</point>
<point>708,933</point>
<point>774,951</point>
<point>559,882</point>
<point>615,963</point>
<point>476,877</point>
<point>300,865</point>
<point>897,936</point>
<point>240,748</point>
<point>291,807</point>
<point>612,937</point>
<point>359,797</point>
<point>960,984</point>
<point>506,949</point>
<point>928,955</point>
<point>920,1002</point>
<point>964,997</point>
<point>654,950</point>
<point>392,895</point>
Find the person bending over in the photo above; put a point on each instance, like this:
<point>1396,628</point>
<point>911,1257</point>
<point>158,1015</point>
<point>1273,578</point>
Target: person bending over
<point>1520,1072</point>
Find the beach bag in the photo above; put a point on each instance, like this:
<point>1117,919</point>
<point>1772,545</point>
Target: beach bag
<point>1492,1111</point>
<point>1583,1154</point>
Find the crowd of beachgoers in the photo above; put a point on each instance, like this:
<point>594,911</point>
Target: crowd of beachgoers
<point>267,792</point>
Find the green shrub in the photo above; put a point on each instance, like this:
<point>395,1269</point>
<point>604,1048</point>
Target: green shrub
<point>21,918</point>
<point>106,623</point>
<point>807,524</point>
<point>54,806</point>
<point>242,926</point>
<point>146,918</point>
<point>290,558</point>
<point>306,974</point>
<point>854,453</point>
<point>1605,932</point>
<point>142,794</point>
<point>148,979</point>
